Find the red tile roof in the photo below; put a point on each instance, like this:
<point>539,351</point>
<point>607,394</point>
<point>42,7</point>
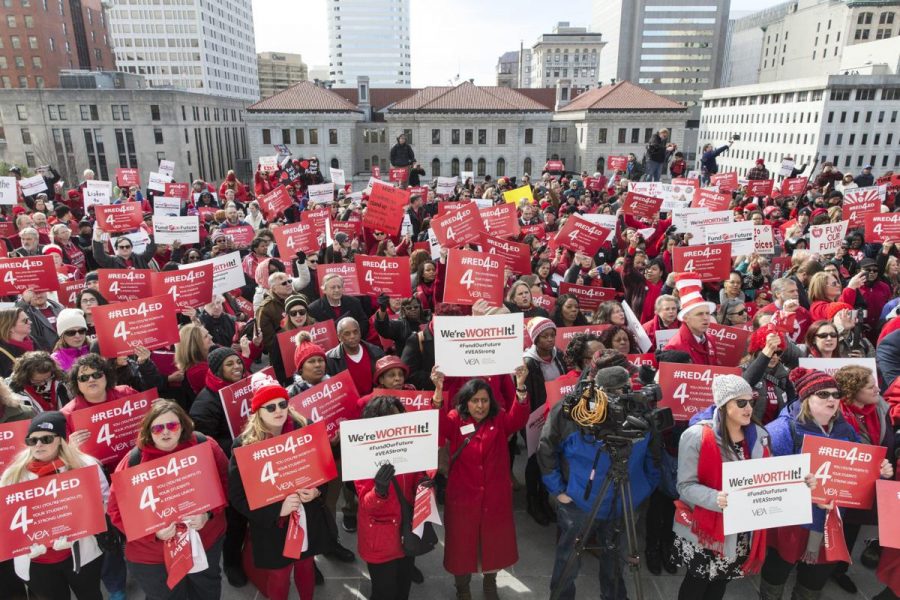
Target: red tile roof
<point>546,96</point>
<point>467,97</point>
<point>379,98</point>
<point>621,96</point>
<point>305,96</point>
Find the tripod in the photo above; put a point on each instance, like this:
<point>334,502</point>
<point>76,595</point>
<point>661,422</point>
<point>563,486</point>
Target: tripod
<point>619,450</point>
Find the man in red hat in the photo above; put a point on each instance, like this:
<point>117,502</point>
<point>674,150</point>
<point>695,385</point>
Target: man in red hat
<point>695,315</point>
<point>759,172</point>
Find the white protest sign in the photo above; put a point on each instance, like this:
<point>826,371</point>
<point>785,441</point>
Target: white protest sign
<point>434,245</point>
<point>33,185</point>
<point>227,272</point>
<point>608,221</point>
<point>445,186</point>
<point>831,365</point>
<point>158,182</point>
<point>139,241</point>
<point>475,346</point>
<point>633,324</point>
<point>409,441</point>
<point>406,227</point>
<point>764,493</point>
<point>680,217</point>
<point>167,230</point>
<point>337,177</point>
<point>763,240</point>
<point>268,164</point>
<point>787,168</point>
<point>466,175</point>
<point>8,191</point>
<point>533,428</point>
<point>827,238</point>
<point>97,192</point>
<point>739,235</point>
<point>322,193</point>
<point>164,206</point>
<point>663,336</point>
<point>167,168</point>
<point>697,224</point>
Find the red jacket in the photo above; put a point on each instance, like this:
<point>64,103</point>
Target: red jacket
<point>654,325</point>
<point>701,354</point>
<point>378,536</point>
<point>79,403</point>
<point>802,320</point>
<point>148,550</point>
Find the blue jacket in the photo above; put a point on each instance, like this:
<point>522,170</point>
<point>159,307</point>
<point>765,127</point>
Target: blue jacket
<point>708,164</point>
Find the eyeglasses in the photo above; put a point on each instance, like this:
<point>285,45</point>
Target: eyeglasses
<point>88,376</point>
<point>285,282</point>
<point>171,426</point>
<point>124,246</point>
<point>45,440</point>
<point>824,395</point>
<point>280,405</point>
<point>743,402</point>
<point>743,311</point>
<point>74,332</point>
<point>297,313</point>
<point>870,270</point>
<point>822,336</point>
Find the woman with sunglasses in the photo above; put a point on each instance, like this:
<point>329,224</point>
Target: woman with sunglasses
<point>124,258</point>
<point>733,312</point>
<point>94,382</point>
<point>822,340</point>
<point>296,314</point>
<point>270,416</point>
<point>825,289</point>
<point>86,300</point>
<point>38,378</point>
<point>165,430</point>
<point>765,367</point>
<point>73,342</point>
<point>15,329</point>
<point>66,567</point>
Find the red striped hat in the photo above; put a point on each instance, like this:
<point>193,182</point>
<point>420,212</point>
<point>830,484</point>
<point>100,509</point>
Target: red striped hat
<point>690,293</point>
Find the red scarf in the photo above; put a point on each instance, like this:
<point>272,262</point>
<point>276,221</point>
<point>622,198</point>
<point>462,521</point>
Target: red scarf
<point>46,469</point>
<point>149,453</point>
<point>863,415</point>
<point>27,344</point>
<point>46,401</point>
<point>214,383</point>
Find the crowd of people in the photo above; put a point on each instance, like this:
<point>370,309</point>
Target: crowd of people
<point>793,303</point>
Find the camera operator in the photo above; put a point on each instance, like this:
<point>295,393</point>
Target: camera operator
<point>574,464</point>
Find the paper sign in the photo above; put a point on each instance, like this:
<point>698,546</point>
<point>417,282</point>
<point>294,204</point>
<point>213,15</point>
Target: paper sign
<point>564,335</point>
<point>337,177</point>
<point>458,228</point>
<point>687,389</point>
<point>158,182</point>
<point>739,235</point>
<point>761,187</point>
<point>633,324</point>
<point>846,472</point>
<point>43,510</point>
<point>119,285</point>
<point>123,326</point>
<point>832,365</point>
<point>322,334</point>
<point>322,193</point>
<point>241,235</point>
<point>296,237</point>
<point>795,186</point>
<point>533,428</point>
<point>589,297</point>
<point>617,163</point>
<point>446,186</point>
<point>726,182</point>
<point>168,230</point>
<point>859,202</point>
<point>128,177</point>
<point>182,191</point>
<point>663,336</point>
<point>113,426</point>
<point>519,194</point>
<point>268,164</point>
<point>409,441</point>
<point>763,240</point>
<point>36,273</point>
<point>827,238</point>
<point>711,200</point>
<point>475,346</point>
<point>641,206</point>
<point>882,227</point>
<point>227,272</point>
<point>412,400</point>
<point>383,274</point>
<point>500,221</point>
<point>159,492</point>
<point>347,271</point>
<point>164,206</point>
<point>398,174</point>
<point>697,224</point>
<point>607,221</point>
<point>764,493</point>
<point>275,202</point>
<point>731,343</point>
<point>96,192</point>
<point>888,493</point>
<point>9,192</point>
<point>473,276</point>
<point>787,167</point>
<point>167,168</point>
<point>331,402</point>
<point>12,440</point>
<point>515,255</point>
<point>710,263</point>
<point>139,241</point>
<point>188,288</point>
<point>386,208</point>
<point>580,235</point>
<point>119,218</point>
<point>33,185</point>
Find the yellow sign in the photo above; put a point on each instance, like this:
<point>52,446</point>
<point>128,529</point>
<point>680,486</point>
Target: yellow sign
<point>517,195</point>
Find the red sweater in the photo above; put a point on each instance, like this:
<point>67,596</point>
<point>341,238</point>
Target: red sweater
<point>78,403</point>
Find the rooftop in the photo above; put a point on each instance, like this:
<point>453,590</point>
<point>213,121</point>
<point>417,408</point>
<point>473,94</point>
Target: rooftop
<point>621,96</point>
<point>467,97</point>
<point>305,96</point>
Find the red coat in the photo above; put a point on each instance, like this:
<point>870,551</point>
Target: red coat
<point>78,403</point>
<point>478,513</point>
<point>378,536</point>
<point>654,325</point>
<point>701,354</point>
<point>802,320</point>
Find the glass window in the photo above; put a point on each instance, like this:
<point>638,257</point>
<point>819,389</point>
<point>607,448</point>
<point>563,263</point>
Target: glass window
<point>482,167</point>
<point>154,112</point>
<point>333,137</point>
<point>26,136</point>
<point>529,136</point>
<point>454,167</point>
<point>501,167</point>
<point>436,167</point>
<point>454,136</point>
<point>435,137</point>
<point>602,136</point>
<point>482,137</point>
<point>313,136</point>
<point>622,134</point>
<point>299,136</point>
<point>22,112</point>
<point>501,137</point>
<point>267,136</point>
<point>469,137</point>
<point>285,136</point>
<point>158,135</point>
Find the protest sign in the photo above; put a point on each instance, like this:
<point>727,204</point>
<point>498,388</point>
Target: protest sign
<point>188,288</point>
<point>347,272</point>
<point>538,231</point>
<point>533,428</point>
<point>764,493</point>
<point>45,509</point>
<point>96,192</point>
<point>515,255</point>
<point>275,202</point>
<point>500,221</point>
<point>687,389</point>
<point>296,237</point>
<point>763,240</point>
<point>828,237</point>
<point>409,441</point>
<point>128,177</point>
<point>680,214</point>
<point>795,186</point>
<point>9,191</point>
<point>859,202</point>
<point>697,224</point>
<point>589,297</point>
<point>159,492</point>
<point>446,186</point>
<point>385,209</point>
<point>167,168</point>
<point>322,193</point>
<point>337,177</point>
<point>236,398</point>
<point>32,185</point>
<point>450,206</point>
<point>580,235</point>
<point>182,191</point>
<point>124,326</point>
<point>731,343</point>
<point>139,241</point>
<point>168,230</point>
<point>760,187</point>
<point>352,228</point>
<point>387,275</point>
<point>832,365</point>
<point>113,426</point>
<point>166,207</point>
<point>726,182</point>
<point>412,400</point>
<point>376,172</point>
<point>565,334</point>
<point>158,181</point>
<point>711,200</point>
<point>473,276</point>
<point>474,346</point>
<point>607,221</point>
<point>36,273</point>
<point>119,218</point>
<point>888,493</point>
<point>519,194</point>
<point>641,206</point>
<point>882,227</point>
<point>633,324</point>
<point>559,388</point>
<point>399,174</point>
<point>710,263</point>
<point>331,402</point>
<point>12,440</point>
<point>120,285</point>
<point>458,228</point>
<point>846,471</point>
<point>323,334</point>
<point>227,272</point>
<point>241,235</point>
<point>786,169</point>
<point>617,163</point>
<point>268,164</point>
<point>739,235</point>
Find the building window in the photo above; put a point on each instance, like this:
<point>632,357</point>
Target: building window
<point>554,135</point>
<point>601,139</point>
<point>501,137</point>
<point>299,136</point>
<point>93,142</point>
<point>26,136</point>
<point>529,136</point>
<point>436,167</point>
<point>482,137</point>
<point>333,137</point>
<point>622,133</point>
<point>89,112</point>
<point>864,18</point>
<point>313,136</point>
<point>266,136</point>
<point>125,147</point>
<point>30,162</point>
<point>635,135</point>
<point>53,112</point>
<point>886,18</point>
<point>840,94</point>
<point>285,136</point>
<point>116,112</point>
<point>435,137</point>
<point>865,94</point>
<point>861,34</point>
<point>501,167</point>
<point>526,167</point>
<point>482,167</point>
<point>335,163</point>
<point>22,112</point>
<point>158,135</point>
<point>454,136</point>
<point>469,137</point>
<point>467,165</point>
<point>154,112</point>
<point>454,167</point>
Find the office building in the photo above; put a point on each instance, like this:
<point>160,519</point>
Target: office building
<point>369,38</point>
<point>278,71</point>
<point>571,54</point>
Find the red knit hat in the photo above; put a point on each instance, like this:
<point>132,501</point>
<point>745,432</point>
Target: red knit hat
<point>266,394</point>
<point>306,350</point>
<point>809,381</point>
<point>52,249</point>
<point>386,363</point>
<point>758,339</point>
<point>836,307</point>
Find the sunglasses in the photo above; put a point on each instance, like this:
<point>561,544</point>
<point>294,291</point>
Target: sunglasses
<point>73,332</point>
<point>46,440</point>
<point>822,336</point>
<point>124,246</point>
<point>738,313</point>
<point>281,404</point>
<point>285,282</point>
<point>743,402</point>
<point>826,395</point>
<point>297,313</point>
<point>88,376</point>
<point>171,426</point>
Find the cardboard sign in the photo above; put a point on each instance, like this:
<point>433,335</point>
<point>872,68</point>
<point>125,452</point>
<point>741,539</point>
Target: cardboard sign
<point>236,398</point>
<point>9,191</point>
<point>32,185</point>
<point>123,326</point>
<point>337,177</point>
<point>888,493</point>
<point>268,164</point>
<point>36,273</point>
<point>166,207</point>
<point>159,492</point>
<point>43,510</point>
<point>227,272</point>
<point>519,194</point>
<point>641,206</point>
<point>128,177</point>
<point>731,343</point>
<point>323,334</point>
<point>385,209</point>
<point>697,224</point>
<point>398,174</point>
<point>275,202</point>
<point>710,263</point>
<point>119,218</point>
<point>348,273</point>
<point>473,276</point>
<point>96,192</point>
<point>762,187</point>
<point>331,402</point>
<point>446,186</point>
<point>241,236</point>
<point>500,221</point>
<point>12,440</point>
<point>827,238</point>
<point>711,200</point>
<point>168,230</point>
<point>617,163</point>
<point>726,182</point>
<point>158,181</point>
<point>378,275</point>
<point>564,335</point>
<point>458,228</point>
<point>515,255</point>
<point>296,237</point>
<point>413,400</point>
<point>589,297</point>
<point>580,235</point>
<point>794,186</point>
<point>859,202</point>
<point>687,389</point>
<point>113,426</point>
<point>833,365</point>
<point>188,288</point>
<point>322,193</point>
<point>882,227</point>
<point>846,471</point>
<point>739,235</point>
<point>182,191</point>
<point>474,346</point>
<point>764,493</point>
<point>352,228</point>
<point>409,441</point>
<point>763,240</point>
<point>120,285</point>
<point>538,231</point>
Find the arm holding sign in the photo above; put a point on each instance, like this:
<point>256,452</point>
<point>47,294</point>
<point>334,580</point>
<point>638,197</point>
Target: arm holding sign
<point>690,489</point>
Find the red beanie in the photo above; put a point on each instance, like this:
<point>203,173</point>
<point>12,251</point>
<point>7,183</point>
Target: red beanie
<point>266,394</point>
<point>306,350</point>
<point>836,307</point>
<point>758,339</point>
<point>809,381</point>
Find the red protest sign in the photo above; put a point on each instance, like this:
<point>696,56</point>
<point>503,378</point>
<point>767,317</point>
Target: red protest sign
<point>387,275</point>
<point>323,334</point>
<point>594,184</point>
<point>347,271</point>
<point>559,388</point>
<point>294,237</point>
<point>275,202</point>
<point>882,227</point>
<point>376,172</point>
<point>538,231</point>
<point>123,326</point>
<point>159,492</point>
<point>460,227</point>
<point>68,293</point>
<point>120,285</point>
<point>888,494</point>
<point>687,389</point>
<point>580,235</point>
<point>473,276</point>
<point>543,301</point>
<point>617,163</point>
<point>858,203</point>
<point>731,343</point>
<point>319,219</point>
<point>794,186</point>
<point>846,472</point>
<point>273,469</point>
<point>236,401</point>
<point>760,187</point>
<point>780,265</point>
<point>330,402</point>
<point>711,262</point>
<point>641,206</point>
<point>7,229</point>
<point>727,182</point>
<point>113,426</point>
<point>40,511</point>
<point>398,174</point>
<point>351,228</point>
<point>36,273</point>
<point>565,334</point>
<point>12,440</point>
<point>412,399</point>
<point>686,181</point>
<point>178,190</point>
<point>589,296</point>
<point>385,209</point>
<point>516,255</point>
<point>207,212</point>
<point>451,206</point>
<point>189,288</point>
<point>710,199</point>
<point>240,236</point>
<point>119,218</point>
<point>128,177</point>
<point>554,165</point>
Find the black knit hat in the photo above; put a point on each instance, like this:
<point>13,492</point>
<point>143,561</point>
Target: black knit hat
<point>51,421</point>
<point>217,357</point>
<point>295,300</point>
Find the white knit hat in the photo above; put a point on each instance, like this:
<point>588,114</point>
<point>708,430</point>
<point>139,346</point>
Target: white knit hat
<point>538,325</point>
<point>69,318</point>
<point>728,387</point>
<point>690,289</point>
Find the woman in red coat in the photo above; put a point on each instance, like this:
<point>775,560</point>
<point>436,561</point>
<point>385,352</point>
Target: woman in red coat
<point>94,382</point>
<point>480,533</point>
